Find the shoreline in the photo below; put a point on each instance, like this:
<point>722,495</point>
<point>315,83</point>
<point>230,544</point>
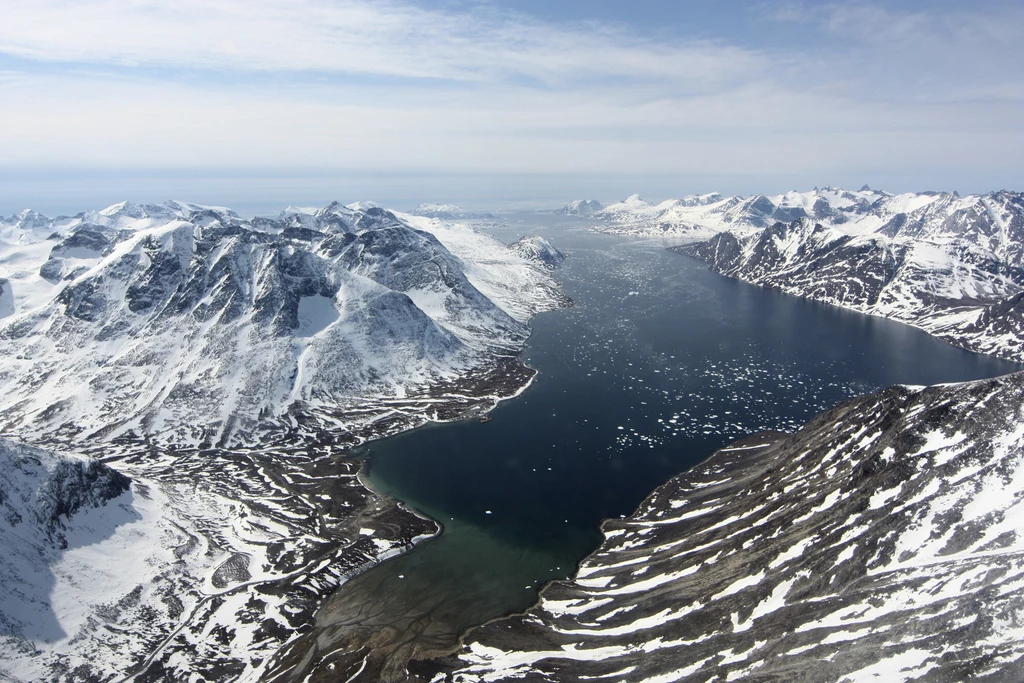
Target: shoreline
<point>941,331</point>
<point>779,509</point>
<point>287,664</point>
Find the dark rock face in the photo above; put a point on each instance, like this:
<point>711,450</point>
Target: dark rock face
<point>813,260</point>
<point>722,251</point>
<point>883,539</point>
<point>1004,318</point>
<point>6,298</point>
<point>87,238</point>
<point>952,287</point>
<point>44,491</point>
<point>757,210</point>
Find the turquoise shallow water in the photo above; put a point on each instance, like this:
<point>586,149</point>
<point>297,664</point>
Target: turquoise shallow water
<point>660,363</point>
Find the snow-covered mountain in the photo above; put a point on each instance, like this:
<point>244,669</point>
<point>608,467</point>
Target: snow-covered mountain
<point>580,207</point>
<point>50,506</point>
<point>950,266</point>
<point>883,541</point>
<point>860,212</point>
<point>25,226</point>
<point>192,324</point>
<point>693,216</point>
<point>40,492</point>
<point>223,364</point>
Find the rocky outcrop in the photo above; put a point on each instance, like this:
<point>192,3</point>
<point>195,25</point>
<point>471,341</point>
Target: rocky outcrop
<point>6,298</point>
<point>40,491</point>
<point>538,249</point>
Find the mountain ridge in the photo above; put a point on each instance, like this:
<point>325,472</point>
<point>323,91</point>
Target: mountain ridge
<point>253,303</point>
<point>856,212</point>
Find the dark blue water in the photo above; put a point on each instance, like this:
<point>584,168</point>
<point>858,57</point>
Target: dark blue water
<point>660,363</point>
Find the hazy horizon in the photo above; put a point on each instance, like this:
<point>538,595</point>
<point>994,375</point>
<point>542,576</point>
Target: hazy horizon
<point>490,103</point>
<point>64,193</point>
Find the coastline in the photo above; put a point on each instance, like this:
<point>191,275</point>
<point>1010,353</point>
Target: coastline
<point>300,658</point>
<point>951,325</point>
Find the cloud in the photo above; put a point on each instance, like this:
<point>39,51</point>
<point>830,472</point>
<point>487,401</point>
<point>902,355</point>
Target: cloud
<point>381,38</point>
<point>391,86</point>
<point>949,51</point>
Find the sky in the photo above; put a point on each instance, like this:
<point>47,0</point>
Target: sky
<point>257,104</point>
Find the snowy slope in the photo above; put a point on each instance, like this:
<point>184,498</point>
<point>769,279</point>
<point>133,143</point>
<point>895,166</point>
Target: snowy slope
<point>51,507</point>
<point>192,324</point>
<point>204,565</point>
<point>25,226</point>
<point>883,541</point>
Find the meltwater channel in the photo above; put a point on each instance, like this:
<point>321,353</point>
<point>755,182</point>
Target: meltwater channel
<point>659,363</point>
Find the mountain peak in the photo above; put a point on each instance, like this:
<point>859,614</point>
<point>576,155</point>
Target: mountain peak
<point>580,207</point>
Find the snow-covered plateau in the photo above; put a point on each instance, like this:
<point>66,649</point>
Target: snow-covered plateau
<point>882,541</point>
<point>211,369</point>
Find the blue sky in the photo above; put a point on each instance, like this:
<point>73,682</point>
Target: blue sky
<point>256,104</point>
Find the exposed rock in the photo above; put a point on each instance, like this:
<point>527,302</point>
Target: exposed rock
<point>534,248</point>
<point>6,298</point>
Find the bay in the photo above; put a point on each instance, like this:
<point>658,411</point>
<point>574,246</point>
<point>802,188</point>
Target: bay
<point>658,364</point>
